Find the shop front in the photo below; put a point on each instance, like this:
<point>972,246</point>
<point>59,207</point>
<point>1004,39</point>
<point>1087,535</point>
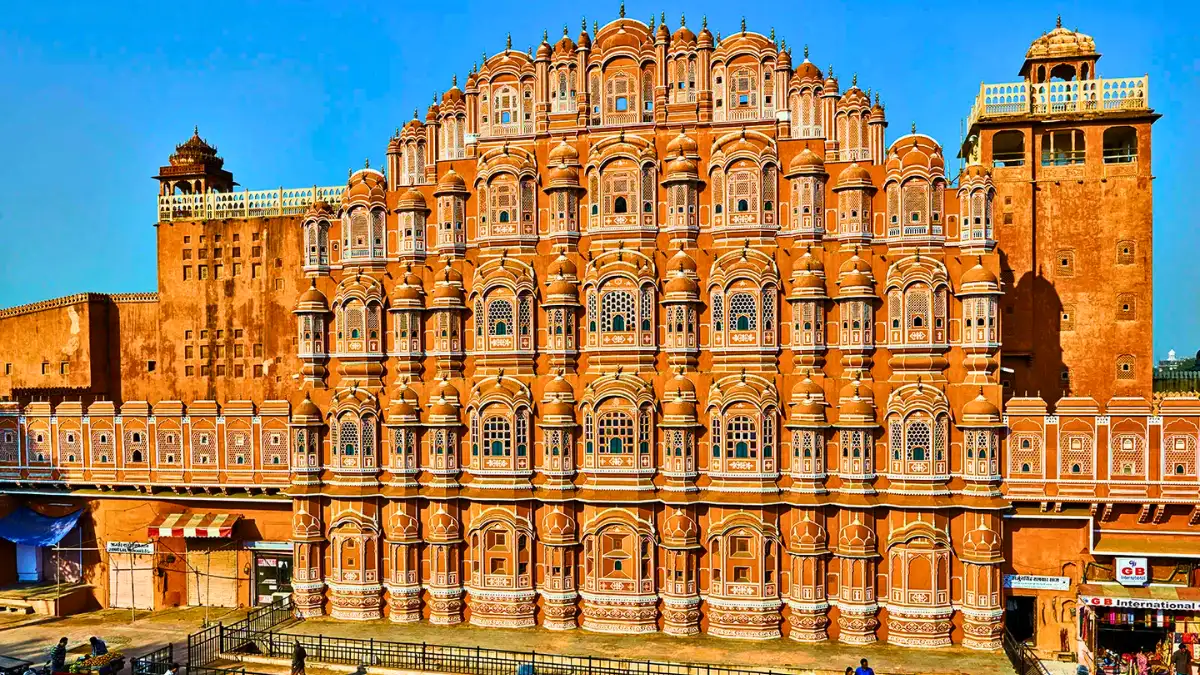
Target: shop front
<point>272,570</point>
<point>1117,623</point>
<point>205,544</point>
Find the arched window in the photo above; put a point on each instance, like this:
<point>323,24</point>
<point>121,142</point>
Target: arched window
<point>615,430</point>
<point>742,438</point>
<point>617,312</point>
<point>500,318</point>
<point>743,312</point>
<point>497,437</point>
<point>620,205</point>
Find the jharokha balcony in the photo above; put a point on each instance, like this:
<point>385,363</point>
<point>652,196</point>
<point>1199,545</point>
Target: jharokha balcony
<point>1015,99</point>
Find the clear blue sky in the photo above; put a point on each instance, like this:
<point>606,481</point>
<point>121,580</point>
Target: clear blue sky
<point>96,95</point>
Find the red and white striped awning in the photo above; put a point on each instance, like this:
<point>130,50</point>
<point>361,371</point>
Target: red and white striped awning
<point>203,525</point>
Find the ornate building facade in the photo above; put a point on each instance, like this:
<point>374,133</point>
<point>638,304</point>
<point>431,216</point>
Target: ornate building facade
<point>642,330</point>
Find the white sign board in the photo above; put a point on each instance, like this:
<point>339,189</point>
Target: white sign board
<point>1105,602</point>
<point>1132,571</point>
<point>1039,583</point>
<point>138,547</point>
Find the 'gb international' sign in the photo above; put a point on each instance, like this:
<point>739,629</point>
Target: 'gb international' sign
<point>1132,571</point>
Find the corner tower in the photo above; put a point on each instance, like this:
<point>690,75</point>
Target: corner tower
<point>1070,153</point>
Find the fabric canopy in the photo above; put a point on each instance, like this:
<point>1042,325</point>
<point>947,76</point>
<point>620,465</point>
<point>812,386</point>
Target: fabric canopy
<point>202,525</point>
<point>26,526</point>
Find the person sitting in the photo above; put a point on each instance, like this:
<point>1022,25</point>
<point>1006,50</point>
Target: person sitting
<point>98,646</point>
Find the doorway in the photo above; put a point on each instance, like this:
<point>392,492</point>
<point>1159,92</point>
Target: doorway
<point>1020,618</point>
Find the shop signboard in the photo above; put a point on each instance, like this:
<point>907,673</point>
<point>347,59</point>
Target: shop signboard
<point>1037,583</point>
<point>134,547</point>
<point>1166,605</point>
<point>1132,571</point>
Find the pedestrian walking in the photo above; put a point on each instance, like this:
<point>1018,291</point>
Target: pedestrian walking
<point>298,657</point>
<point>1181,660</point>
<point>864,669</point>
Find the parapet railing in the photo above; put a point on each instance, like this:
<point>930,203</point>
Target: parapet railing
<point>156,662</point>
<point>245,204</point>
<point>1026,98</point>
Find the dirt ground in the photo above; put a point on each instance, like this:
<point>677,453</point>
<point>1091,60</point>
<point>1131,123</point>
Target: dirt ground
<point>771,654</point>
<point>31,637</point>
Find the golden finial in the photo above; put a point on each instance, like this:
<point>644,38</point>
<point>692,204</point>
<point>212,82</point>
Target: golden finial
<point>622,10</point>
<point>508,42</point>
<point>1058,21</point>
<point>743,25</point>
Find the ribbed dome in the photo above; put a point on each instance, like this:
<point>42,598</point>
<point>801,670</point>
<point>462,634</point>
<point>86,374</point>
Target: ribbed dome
<point>980,406</point>
<point>450,183</point>
<point>806,162</point>
<point>681,262</point>
<point>808,536</point>
<point>412,200</point>
<point>856,538</point>
<point>365,186</point>
<point>558,527</point>
<point>853,176</point>
<point>564,154</point>
<point>312,300</point>
<point>680,531</point>
<point>807,72</point>
<point>562,267</point>
<point>682,144</point>
<point>306,412</point>
<point>443,527</point>
<point>681,284</point>
<point>979,275</point>
<point>1061,43</point>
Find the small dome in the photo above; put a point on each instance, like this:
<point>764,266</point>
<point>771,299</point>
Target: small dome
<point>682,167</point>
<point>808,536</point>
<point>562,289</point>
<point>853,176</point>
<point>565,46</point>
<point>443,527</point>
<point>681,262</point>
<point>544,51</point>
<point>563,176</point>
<point>452,96</point>
<point>1061,43</point>
<point>562,267</point>
<point>564,154</point>
<point>806,162</point>
<point>683,285</point>
<point>855,264</point>
<point>450,183</point>
<point>403,528</point>
<point>312,300</point>
<point>979,275</point>
<point>412,200</point>
<point>705,39</point>
<point>976,171</point>
<point>982,545</point>
<point>682,145</point>
<point>365,186</point>
<point>807,72</point>
<point>403,407</point>
<point>558,526</point>
<point>856,538</point>
<point>560,385</point>
<point>980,406</point>
<point>306,412</point>
<point>683,36</point>
<point>679,530</point>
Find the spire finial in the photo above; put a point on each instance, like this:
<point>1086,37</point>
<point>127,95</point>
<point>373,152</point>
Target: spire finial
<point>682,19</point>
<point>484,59</point>
<point>367,163</point>
<point>831,70</point>
<point>195,129</point>
<point>1058,21</point>
<point>414,113</point>
<point>595,27</point>
<point>454,80</point>
<point>651,22</point>
<point>704,21</point>
<point>914,127</point>
<point>772,33</point>
<point>435,98</point>
<point>508,42</point>
<point>876,98</point>
<point>805,52</point>
<point>564,30</point>
<point>622,9</point>
<point>529,51</point>
<point>583,24</point>
<point>743,25</point>
<point>854,80</point>
<point>545,36</point>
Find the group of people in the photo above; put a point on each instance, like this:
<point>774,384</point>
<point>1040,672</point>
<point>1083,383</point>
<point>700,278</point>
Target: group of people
<point>1143,663</point>
<point>58,655</point>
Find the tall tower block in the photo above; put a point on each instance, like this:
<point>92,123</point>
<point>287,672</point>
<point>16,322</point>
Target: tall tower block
<point>1070,153</point>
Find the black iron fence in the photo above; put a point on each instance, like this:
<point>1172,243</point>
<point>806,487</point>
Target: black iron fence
<point>1024,661</point>
<point>156,662</point>
<point>207,645</point>
<point>465,660</point>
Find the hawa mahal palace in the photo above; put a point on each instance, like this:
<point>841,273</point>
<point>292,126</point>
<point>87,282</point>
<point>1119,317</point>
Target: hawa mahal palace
<point>641,330</point>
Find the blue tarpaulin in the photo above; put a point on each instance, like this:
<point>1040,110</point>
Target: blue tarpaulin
<point>26,526</point>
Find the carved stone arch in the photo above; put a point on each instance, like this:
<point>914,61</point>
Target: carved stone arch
<point>352,519</point>
<point>745,263</point>
<point>756,390</point>
<point>918,533</point>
